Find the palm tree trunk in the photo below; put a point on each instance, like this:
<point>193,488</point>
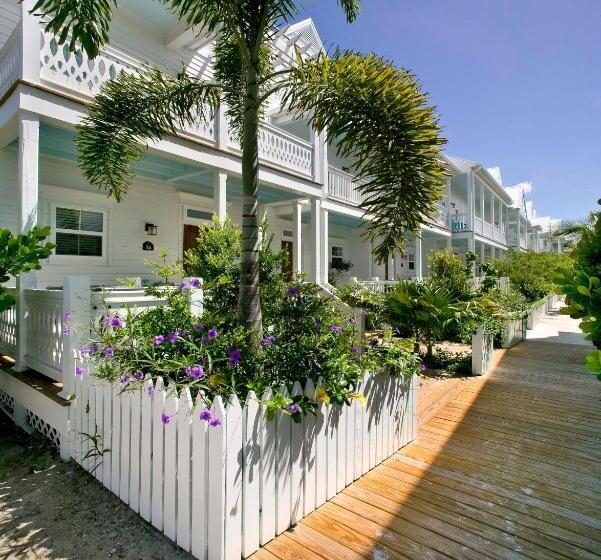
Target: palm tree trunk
<point>249,302</point>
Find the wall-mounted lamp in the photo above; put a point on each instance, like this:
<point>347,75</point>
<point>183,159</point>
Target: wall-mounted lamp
<point>151,229</point>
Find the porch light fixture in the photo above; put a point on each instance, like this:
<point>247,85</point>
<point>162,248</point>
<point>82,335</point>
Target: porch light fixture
<point>151,229</point>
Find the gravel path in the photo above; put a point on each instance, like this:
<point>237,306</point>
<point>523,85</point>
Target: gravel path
<point>49,509</point>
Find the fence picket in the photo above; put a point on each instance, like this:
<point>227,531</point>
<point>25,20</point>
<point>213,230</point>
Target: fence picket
<point>233,479</point>
<point>331,469</point>
<point>216,491</point>
<point>99,429</point>
<point>321,452</point>
<point>90,423</point>
<point>310,453</point>
<point>158,407</point>
<point>125,445</point>
<point>184,457</point>
<point>251,483</point>
<point>341,449</point>
<point>116,440</point>
<point>107,430</point>
<point>267,489</point>
<point>199,482</point>
<point>349,462</point>
<point>135,441</point>
<point>77,413</point>
<point>359,414</point>
<point>146,451</point>
<point>170,467</point>
<point>296,464</point>
<point>282,502</point>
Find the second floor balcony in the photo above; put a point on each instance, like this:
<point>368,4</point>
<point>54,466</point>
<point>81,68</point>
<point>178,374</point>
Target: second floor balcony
<point>461,223</point>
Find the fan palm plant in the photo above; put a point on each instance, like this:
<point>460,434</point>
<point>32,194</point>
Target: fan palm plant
<point>377,113</point>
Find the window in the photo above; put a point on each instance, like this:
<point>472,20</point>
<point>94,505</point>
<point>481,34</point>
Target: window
<point>79,232</point>
<point>198,214</point>
<point>337,254</point>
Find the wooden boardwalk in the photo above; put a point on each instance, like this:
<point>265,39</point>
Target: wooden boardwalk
<point>509,468</point>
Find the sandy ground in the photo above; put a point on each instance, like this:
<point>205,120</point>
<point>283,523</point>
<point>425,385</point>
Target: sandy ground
<point>49,509</point>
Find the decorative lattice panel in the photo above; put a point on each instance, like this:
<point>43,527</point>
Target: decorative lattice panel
<point>7,402</point>
<point>44,428</point>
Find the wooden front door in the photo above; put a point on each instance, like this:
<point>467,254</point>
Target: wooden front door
<point>288,246</point>
<point>190,238</point>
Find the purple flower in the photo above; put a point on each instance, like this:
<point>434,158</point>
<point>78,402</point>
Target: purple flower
<point>198,327</point>
<point>293,292</point>
<point>235,356</point>
<point>67,330</point>
<point>165,418</point>
<point>139,375</point>
<point>358,350</point>
<point>71,475</point>
<point>67,317</point>
<point>362,311</point>
<point>116,322</point>
<point>109,352</point>
<point>294,408</point>
<point>195,372</point>
<point>423,367</point>
<point>213,333</point>
<point>78,370</point>
<point>206,415</point>
<point>352,321</point>
<point>335,329</point>
<point>267,341</point>
<point>195,282</point>
<point>215,422</point>
<point>159,339</point>
<point>184,286</point>
<point>106,320</point>
<point>88,349</point>
<point>125,379</point>
<point>172,337</point>
<point>150,390</point>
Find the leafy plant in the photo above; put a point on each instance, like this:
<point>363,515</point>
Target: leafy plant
<point>449,270</point>
<point>368,301</point>
<point>427,309</point>
<point>21,253</point>
<point>377,113</point>
<point>450,362</point>
<point>490,276</point>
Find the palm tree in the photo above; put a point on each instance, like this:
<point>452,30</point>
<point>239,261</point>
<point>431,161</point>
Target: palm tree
<point>377,113</point>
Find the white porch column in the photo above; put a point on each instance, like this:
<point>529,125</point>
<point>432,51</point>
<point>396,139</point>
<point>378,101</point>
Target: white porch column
<point>297,228</point>
<point>493,203</point>
<point>320,159</point>
<point>31,39</point>
<point>471,199</point>
<point>325,247</point>
<point>221,126</point>
<point>315,248</point>
<point>27,184</point>
<point>418,256</point>
<point>482,195</point>
<point>220,194</point>
<point>482,252</point>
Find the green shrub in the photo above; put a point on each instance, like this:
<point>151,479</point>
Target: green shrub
<point>454,364</point>
<point>450,271</point>
<point>372,303</point>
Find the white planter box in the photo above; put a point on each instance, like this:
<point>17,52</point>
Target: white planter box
<point>482,352</point>
<point>536,313</point>
<point>513,333</point>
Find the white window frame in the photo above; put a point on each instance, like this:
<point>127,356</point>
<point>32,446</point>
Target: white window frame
<point>332,256</point>
<point>66,259</point>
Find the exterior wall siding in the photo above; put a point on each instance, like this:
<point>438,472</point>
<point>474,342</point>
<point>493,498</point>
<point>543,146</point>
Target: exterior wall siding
<point>10,15</point>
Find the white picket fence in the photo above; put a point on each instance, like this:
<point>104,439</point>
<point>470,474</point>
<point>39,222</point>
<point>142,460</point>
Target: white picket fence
<point>482,352</point>
<point>514,332</point>
<point>221,492</point>
<point>536,313</point>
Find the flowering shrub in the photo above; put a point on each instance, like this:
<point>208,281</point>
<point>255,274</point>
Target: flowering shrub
<point>306,337</point>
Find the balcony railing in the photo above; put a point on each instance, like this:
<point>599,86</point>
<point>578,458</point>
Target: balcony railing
<point>342,186</point>
<point>460,222</point>
<point>73,72</point>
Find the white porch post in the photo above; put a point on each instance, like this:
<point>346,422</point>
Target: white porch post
<point>482,195</point>
<point>221,127</point>
<point>418,256</point>
<point>493,203</point>
<point>297,228</point>
<point>325,248</point>
<point>219,194</point>
<point>482,252</point>
<point>27,184</point>
<point>320,159</point>
<point>315,249</point>
<point>471,199</point>
<point>30,43</point>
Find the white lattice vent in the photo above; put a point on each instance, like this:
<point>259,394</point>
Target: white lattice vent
<point>44,428</point>
<point>7,402</point>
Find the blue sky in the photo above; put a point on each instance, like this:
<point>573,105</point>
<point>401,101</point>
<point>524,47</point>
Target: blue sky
<point>517,83</point>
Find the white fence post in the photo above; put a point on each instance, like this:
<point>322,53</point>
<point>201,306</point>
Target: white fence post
<point>76,303</point>
<point>482,352</point>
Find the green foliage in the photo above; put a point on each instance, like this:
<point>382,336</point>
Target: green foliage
<point>532,274</point>
<point>216,259</point>
<point>165,269</point>
<point>427,309</point>
<point>449,270</point>
<point>587,251</point>
<point>490,276</point>
<point>455,365</point>
<point>370,302</point>
<point>21,253</point>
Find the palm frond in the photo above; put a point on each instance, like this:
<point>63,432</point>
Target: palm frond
<point>381,120</point>
<point>132,110</point>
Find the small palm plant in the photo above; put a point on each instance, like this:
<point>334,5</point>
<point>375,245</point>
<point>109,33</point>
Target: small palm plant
<point>377,113</point>
<point>428,310</point>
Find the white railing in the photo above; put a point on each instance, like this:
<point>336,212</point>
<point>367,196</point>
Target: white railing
<point>75,72</point>
<point>478,225</point>
<point>276,146</point>
<point>460,222</point>
<point>44,322</point>
<point>10,61</point>
<point>8,328</point>
<point>512,239</point>
<point>487,230</point>
<point>499,235</point>
<point>536,313</point>
<point>343,186</point>
<point>222,492</point>
<point>380,286</point>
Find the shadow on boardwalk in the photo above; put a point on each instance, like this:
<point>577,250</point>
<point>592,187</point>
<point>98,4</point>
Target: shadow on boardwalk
<point>509,468</point>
